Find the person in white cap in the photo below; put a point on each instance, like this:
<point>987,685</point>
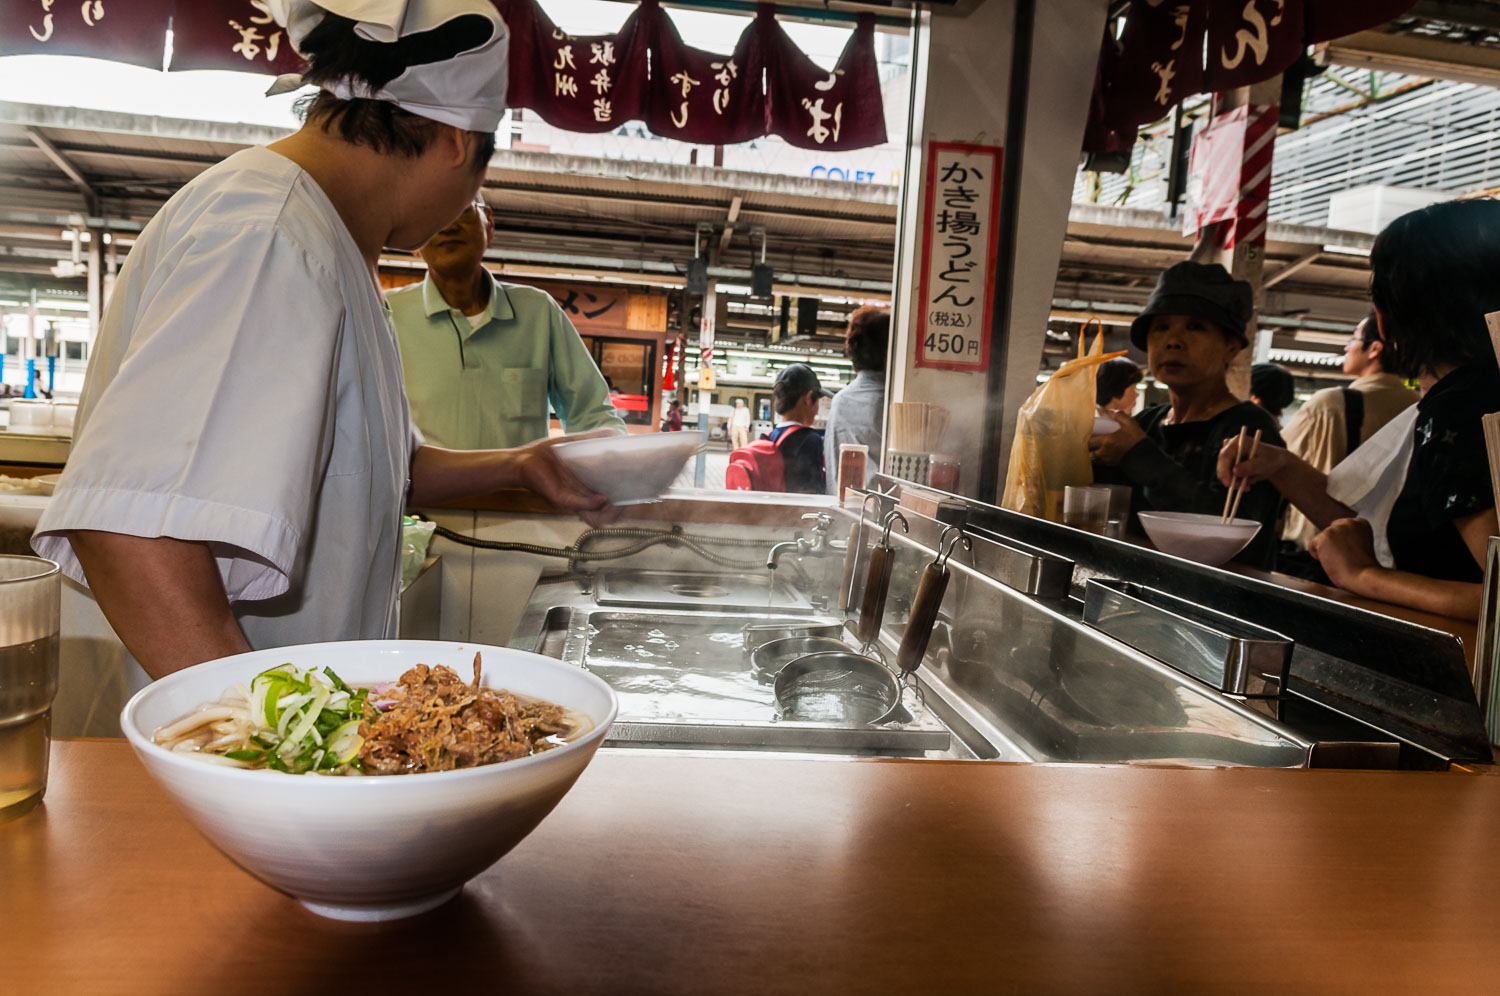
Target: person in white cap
<point>243,449</point>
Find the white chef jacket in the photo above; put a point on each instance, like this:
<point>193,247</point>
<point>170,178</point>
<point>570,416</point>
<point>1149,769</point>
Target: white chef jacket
<point>245,391</point>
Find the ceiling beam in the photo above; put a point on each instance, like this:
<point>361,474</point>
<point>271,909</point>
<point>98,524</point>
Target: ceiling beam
<point>1413,55</point>
<point>62,162</point>
<point>734,215</point>
<point>1466,13</point>
<point>1300,263</point>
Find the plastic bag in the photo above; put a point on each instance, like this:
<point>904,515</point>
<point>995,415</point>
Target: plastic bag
<point>1051,448</point>
<point>415,535</point>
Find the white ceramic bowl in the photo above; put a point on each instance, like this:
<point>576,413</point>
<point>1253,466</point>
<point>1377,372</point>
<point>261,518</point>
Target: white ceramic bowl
<point>1199,537</point>
<point>1104,425</point>
<point>629,470</point>
<point>370,848</point>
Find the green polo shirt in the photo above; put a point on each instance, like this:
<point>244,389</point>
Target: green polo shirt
<point>487,386</point>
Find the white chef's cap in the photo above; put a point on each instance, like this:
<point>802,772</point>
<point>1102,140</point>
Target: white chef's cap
<point>466,90</point>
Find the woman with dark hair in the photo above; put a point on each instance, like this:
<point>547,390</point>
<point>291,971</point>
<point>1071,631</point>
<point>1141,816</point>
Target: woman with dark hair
<point>855,413</point>
<point>1114,387</point>
<point>1432,283</point>
<point>243,449</point>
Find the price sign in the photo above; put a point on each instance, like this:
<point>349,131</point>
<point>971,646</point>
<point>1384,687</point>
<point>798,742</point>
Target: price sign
<point>960,218</point>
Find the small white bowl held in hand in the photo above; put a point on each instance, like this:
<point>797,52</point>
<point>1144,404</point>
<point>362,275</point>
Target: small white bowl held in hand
<point>629,470</point>
<point>1199,537</point>
<point>1103,425</point>
<point>373,847</point>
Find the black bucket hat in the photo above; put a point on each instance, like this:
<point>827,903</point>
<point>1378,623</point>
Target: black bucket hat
<point>1199,290</point>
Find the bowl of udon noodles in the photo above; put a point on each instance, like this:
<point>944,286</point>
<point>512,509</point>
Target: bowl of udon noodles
<point>369,780</point>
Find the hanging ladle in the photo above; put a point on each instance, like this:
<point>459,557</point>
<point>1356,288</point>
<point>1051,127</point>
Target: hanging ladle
<point>768,659</point>
<point>848,688</point>
<point>857,539</point>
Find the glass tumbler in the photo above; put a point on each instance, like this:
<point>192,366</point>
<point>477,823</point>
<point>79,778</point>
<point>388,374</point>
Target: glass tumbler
<point>1086,508</point>
<point>30,596</point>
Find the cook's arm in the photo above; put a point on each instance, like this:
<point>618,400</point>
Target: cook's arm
<point>439,475</point>
<point>163,596</point>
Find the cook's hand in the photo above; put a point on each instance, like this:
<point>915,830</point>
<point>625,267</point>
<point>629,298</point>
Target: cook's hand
<point>549,477</point>
<point>1346,549</point>
<point>1108,450</point>
<point>1267,463</point>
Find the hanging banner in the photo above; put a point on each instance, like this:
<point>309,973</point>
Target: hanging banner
<point>960,224</point>
<point>130,31</point>
<point>1171,49</point>
<point>582,83</point>
<point>811,109</point>
<point>1251,40</point>
<point>700,97</point>
<point>645,72</point>
<point>231,34</point>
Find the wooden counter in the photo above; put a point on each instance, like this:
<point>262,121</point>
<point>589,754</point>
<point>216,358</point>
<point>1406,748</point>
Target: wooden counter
<point>667,873</point>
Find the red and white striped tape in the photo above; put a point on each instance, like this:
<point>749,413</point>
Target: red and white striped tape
<point>1252,210</point>
<point>1231,175</point>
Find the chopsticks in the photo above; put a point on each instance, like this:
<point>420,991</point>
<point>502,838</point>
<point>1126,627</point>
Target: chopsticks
<point>1238,486</point>
<point>918,427</point>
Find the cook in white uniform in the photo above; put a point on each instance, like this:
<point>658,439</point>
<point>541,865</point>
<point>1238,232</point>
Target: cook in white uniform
<point>243,449</point>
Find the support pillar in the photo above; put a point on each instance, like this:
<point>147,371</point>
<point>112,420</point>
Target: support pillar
<point>1247,259</point>
<point>95,278</point>
<point>705,378</point>
<point>1006,74</point>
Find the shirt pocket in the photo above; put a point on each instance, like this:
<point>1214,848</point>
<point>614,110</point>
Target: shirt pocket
<point>523,392</point>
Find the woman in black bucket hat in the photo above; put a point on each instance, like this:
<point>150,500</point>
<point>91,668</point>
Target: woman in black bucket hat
<point>1192,328</point>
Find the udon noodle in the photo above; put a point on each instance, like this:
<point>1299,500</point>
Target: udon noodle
<point>305,721</point>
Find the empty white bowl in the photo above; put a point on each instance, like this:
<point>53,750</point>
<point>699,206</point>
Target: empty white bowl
<point>1199,537</point>
<point>373,847</point>
<point>1104,425</point>
<point>629,470</point>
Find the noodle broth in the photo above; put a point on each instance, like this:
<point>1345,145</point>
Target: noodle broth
<point>426,721</point>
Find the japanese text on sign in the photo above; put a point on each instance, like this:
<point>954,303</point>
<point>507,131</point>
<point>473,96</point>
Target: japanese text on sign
<point>959,219</point>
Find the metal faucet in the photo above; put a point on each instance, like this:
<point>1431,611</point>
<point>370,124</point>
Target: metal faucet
<point>815,545</point>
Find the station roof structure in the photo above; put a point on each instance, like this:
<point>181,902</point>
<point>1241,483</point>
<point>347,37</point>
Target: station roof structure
<point>65,169</point>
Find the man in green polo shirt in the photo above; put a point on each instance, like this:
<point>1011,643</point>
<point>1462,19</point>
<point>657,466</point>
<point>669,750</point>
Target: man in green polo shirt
<point>482,359</point>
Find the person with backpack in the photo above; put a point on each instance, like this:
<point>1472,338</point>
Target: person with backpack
<point>1336,420</point>
<point>790,458</point>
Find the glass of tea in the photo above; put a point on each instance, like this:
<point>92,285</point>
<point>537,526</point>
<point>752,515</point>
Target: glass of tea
<point>30,596</point>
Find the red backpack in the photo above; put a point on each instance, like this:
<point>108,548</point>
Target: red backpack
<point>760,465</point>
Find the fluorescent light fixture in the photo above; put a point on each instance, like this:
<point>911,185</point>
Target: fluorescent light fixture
<point>1347,250</point>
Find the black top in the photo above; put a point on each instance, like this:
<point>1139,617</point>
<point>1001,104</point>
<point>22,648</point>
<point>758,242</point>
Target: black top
<point>1175,469</point>
<point>802,458</point>
<point>1448,477</point>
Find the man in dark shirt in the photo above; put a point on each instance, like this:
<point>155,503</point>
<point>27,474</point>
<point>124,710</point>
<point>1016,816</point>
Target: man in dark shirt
<point>1192,328</point>
<point>796,394</point>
